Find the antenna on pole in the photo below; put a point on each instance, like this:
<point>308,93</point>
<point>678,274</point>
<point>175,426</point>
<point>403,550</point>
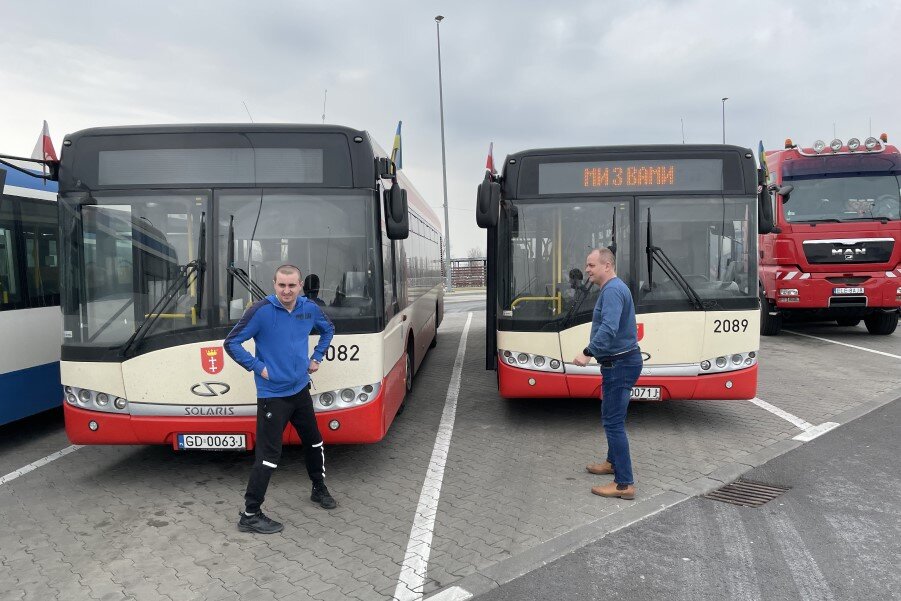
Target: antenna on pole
<point>833,130</point>
<point>682,120</point>
<point>248,111</point>
<point>324,98</point>
<point>871,128</point>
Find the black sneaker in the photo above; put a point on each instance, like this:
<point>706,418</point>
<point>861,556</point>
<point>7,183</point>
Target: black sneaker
<point>321,495</point>
<point>259,523</point>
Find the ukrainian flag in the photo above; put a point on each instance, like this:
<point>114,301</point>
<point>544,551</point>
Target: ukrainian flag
<point>397,153</point>
<point>761,155</point>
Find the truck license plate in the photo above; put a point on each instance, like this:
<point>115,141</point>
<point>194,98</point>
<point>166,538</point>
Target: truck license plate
<point>847,291</point>
<point>217,442</point>
<point>645,393</point>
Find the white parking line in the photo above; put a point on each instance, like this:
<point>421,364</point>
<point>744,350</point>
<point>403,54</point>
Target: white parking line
<point>860,348</point>
<point>454,593</point>
<point>36,464</point>
<point>810,431</point>
<point>412,576</point>
<point>804,425</point>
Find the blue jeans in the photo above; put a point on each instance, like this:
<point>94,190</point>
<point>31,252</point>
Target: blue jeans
<point>616,389</point>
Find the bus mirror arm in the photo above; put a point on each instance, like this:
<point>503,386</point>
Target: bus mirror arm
<point>51,166</point>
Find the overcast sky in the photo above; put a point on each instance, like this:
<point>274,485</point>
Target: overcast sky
<point>522,74</point>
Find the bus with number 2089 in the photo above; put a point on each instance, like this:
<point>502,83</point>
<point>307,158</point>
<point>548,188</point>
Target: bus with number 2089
<point>168,233</point>
<point>682,222</point>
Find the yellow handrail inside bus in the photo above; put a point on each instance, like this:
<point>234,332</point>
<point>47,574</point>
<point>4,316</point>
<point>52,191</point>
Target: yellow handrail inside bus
<point>168,315</point>
<point>557,299</point>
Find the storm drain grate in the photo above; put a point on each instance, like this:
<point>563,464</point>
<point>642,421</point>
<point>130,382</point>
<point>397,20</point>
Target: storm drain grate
<point>746,494</point>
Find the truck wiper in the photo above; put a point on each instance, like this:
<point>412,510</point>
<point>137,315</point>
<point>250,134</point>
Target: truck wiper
<point>656,254</point>
<point>236,273</point>
<point>191,272</point>
<point>823,220</point>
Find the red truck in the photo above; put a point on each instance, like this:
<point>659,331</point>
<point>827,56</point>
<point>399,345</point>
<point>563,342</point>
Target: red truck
<point>835,253</point>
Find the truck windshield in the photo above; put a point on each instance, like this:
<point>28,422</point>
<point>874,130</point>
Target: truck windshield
<point>843,198</point>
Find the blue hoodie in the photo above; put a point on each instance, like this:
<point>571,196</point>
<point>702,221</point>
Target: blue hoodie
<point>282,343</point>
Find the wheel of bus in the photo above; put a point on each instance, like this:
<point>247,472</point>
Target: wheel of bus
<point>408,378</point>
<point>770,325</point>
<point>848,322</point>
<point>881,324</point>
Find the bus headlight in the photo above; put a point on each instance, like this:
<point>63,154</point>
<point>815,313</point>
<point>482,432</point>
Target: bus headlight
<point>705,365</point>
<point>721,362</point>
<point>102,399</point>
<point>120,403</point>
<point>555,364</point>
<point>530,361</point>
<point>538,361</point>
<point>71,399</point>
<point>349,397</point>
<point>737,359</point>
<point>522,358</point>
<point>84,397</point>
<point>853,144</point>
<point>727,363</point>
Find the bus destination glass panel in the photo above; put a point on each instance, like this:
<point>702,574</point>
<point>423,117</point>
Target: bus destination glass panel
<point>593,177</point>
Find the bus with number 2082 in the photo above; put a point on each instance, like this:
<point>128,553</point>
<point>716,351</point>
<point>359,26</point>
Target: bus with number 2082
<point>168,233</point>
<point>682,222</point>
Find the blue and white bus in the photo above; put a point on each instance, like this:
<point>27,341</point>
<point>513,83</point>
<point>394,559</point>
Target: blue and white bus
<point>30,318</point>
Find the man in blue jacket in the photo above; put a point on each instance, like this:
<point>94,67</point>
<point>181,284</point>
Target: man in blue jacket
<point>280,326</point>
<point>614,343</point>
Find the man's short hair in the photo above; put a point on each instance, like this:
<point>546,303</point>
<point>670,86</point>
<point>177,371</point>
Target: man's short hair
<point>605,255</point>
<point>287,269</point>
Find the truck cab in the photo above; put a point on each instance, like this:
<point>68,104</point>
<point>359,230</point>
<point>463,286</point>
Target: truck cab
<point>835,253</point>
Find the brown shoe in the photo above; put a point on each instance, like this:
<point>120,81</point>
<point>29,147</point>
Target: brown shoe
<point>610,490</point>
<point>600,469</point>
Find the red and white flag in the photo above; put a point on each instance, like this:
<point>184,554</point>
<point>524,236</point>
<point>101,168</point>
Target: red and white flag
<point>43,149</point>
<point>489,164</point>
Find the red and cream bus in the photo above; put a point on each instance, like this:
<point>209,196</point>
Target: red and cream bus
<point>682,222</point>
<point>170,232</point>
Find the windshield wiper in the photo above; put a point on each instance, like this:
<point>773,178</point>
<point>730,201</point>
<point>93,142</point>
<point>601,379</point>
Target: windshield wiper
<point>822,220</point>
<point>656,254</point>
<point>236,273</point>
<point>191,272</point>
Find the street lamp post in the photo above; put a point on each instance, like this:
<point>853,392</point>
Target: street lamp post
<point>724,118</point>
<point>447,257</point>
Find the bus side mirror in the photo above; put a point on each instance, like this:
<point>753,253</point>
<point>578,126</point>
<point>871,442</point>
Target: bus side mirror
<point>397,220</point>
<point>766,221</point>
<point>488,200</point>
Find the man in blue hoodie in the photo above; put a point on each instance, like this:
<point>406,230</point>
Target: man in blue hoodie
<point>280,326</point>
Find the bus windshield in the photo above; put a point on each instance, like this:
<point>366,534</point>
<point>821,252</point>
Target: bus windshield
<point>542,281</point>
<point>845,198</point>
<point>136,248</point>
<point>712,242</point>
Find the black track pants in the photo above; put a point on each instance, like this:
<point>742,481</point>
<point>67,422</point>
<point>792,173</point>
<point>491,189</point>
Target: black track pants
<point>273,414</point>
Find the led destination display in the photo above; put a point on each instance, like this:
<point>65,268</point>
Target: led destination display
<point>684,175</point>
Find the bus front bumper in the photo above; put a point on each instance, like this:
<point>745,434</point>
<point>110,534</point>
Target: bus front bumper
<point>514,382</point>
<point>363,424</point>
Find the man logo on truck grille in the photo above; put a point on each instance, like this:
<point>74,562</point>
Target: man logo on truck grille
<point>849,252</point>
<point>211,359</point>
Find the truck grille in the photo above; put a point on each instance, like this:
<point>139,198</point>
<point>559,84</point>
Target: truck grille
<point>860,250</point>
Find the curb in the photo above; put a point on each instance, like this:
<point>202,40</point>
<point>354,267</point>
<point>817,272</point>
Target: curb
<point>500,573</point>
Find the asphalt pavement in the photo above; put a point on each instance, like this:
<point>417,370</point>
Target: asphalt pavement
<point>834,535</point>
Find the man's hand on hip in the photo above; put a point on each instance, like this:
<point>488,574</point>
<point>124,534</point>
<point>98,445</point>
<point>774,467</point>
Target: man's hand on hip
<point>314,366</point>
<point>265,374</point>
